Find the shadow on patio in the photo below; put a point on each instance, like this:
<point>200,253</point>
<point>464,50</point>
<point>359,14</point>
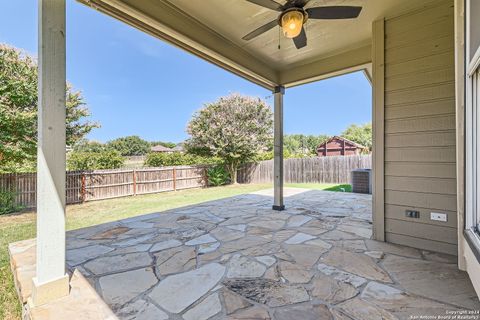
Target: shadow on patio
<point>236,258</point>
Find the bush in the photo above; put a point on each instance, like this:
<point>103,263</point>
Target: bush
<point>7,202</point>
<point>108,159</point>
<point>218,176</point>
<point>286,155</point>
<point>162,159</point>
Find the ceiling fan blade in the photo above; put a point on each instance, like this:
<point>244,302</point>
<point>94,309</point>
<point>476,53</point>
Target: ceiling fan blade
<point>270,4</point>
<point>296,3</point>
<point>262,29</point>
<point>300,41</point>
<point>334,12</point>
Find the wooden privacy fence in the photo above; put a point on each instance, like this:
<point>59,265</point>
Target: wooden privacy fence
<point>306,170</point>
<point>84,186</point>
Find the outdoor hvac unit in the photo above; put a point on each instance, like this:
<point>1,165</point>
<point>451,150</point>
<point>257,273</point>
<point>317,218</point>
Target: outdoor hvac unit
<point>362,181</point>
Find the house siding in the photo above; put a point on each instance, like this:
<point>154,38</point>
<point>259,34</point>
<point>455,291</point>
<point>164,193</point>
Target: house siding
<point>419,127</point>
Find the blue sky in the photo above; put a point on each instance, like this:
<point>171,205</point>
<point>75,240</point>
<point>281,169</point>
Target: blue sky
<point>135,84</point>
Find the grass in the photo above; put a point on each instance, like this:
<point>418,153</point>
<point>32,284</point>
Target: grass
<point>16,227</point>
<point>322,186</point>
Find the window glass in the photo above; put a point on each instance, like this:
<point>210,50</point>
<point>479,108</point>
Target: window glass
<point>474,26</point>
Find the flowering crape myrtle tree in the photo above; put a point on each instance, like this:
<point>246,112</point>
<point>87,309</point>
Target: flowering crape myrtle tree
<point>18,111</point>
<point>234,128</point>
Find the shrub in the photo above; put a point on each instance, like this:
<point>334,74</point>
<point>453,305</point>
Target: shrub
<point>218,176</point>
<point>108,159</point>
<point>161,159</point>
<point>7,202</point>
<point>286,155</point>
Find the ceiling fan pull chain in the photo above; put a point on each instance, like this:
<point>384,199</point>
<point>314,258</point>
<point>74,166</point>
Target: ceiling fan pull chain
<point>279,38</point>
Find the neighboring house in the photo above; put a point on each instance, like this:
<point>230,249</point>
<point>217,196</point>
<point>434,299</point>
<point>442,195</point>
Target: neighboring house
<point>178,148</point>
<point>160,148</point>
<point>339,146</point>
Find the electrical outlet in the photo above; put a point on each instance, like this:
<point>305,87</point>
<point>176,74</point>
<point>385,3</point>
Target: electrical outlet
<point>412,214</point>
<point>438,216</point>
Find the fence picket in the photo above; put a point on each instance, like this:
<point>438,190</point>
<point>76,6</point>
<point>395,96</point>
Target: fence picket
<point>306,170</point>
<point>82,186</point>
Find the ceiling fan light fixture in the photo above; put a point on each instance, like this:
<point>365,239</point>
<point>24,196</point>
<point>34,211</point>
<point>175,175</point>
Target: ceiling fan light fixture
<point>292,22</point>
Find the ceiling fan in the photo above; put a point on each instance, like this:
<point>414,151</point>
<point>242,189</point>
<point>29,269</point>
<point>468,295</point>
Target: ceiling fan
<point>293,16</point>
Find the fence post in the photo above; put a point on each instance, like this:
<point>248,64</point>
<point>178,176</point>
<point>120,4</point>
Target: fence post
<point>174,175</point>
<point>134,182</point>
<point>205,174</point>
<point>83,190</point>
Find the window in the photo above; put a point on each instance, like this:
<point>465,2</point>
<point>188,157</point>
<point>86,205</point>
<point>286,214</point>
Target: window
<point>472,116</point>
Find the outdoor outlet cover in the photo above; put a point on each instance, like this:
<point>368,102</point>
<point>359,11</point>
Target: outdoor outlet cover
<point>438,216</point>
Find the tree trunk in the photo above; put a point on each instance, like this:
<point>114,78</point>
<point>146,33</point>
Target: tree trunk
<point>232,169</point>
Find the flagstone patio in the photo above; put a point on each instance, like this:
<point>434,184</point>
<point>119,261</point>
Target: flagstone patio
<point>236,258</point>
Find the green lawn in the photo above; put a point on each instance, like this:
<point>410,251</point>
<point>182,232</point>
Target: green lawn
<point>322,186</point>
<point>17,227</point>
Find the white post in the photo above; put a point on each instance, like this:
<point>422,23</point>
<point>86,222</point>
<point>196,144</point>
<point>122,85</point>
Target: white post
<point>51,281</point>
<point>278,149</point>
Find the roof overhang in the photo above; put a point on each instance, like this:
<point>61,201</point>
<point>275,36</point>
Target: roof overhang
<point>209,35</point>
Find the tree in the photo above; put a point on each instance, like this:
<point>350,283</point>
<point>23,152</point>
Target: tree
<point>85,145</point>
<point>18,110</point>
<point>234,128</point>
<point>161,159</point>
<point>361,134</point>
<point>130,146</point>
<point>163,143</point>
<point>106,159</point>
<point>299,144</point>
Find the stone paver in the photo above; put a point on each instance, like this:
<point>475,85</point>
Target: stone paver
<point>238,259</point>
<point>271,293</point>
<point>234,302</point>
<point>331,290</point>
<point>402,304</point>
<point>299,238</point>
<point>253,313</point>
<point>201,240</point>
<point>295,273</point>
<point>80,255</point>
<point>112,264</point>
<point>266,260</point>
<point>175,260</point>
<point>297,221</point>
<point>446,283</point>
<point>361,310</point>
<point>206,309</point>
<point>167,244</point>
<point>355,263</point>
<point>242,267</point>
<point>179,291</point>
<point>141,310</point>
<point>304,312</point>
<point>119,288</point>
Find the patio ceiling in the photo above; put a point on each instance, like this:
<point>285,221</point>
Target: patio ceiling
<point>213,30</point>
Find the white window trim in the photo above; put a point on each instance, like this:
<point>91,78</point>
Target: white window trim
<point>472,139</point>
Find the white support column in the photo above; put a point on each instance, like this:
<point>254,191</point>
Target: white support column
<point>51,281</point>
<point>278,149</point>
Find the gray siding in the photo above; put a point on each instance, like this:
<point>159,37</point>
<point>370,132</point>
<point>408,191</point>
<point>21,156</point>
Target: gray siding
<point>420,127</point>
